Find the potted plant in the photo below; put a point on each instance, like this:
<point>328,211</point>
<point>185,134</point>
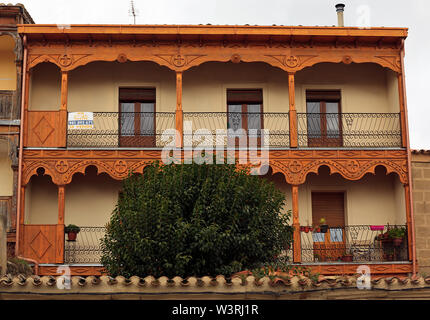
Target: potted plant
<point>347,256</point>
<point>397,235</point>
<point>72,231</point>
<point>323,225</point>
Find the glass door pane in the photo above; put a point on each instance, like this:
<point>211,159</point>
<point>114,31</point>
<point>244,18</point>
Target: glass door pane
<point>147,119</point>
<point>127,119</point>
<point>332,118</point>
<point>313,119</point>
<point>234,116</point>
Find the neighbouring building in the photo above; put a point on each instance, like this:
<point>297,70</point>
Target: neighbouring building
<point>421,197</point>
<point>97,99</point>
<point>11,57</point>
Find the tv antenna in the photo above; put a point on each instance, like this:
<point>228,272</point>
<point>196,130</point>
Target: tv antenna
<point>133,11</point>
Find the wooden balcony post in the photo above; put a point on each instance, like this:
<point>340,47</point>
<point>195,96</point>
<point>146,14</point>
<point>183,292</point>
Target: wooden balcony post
<point>293,112</point>
<point>20,231</point>
<point>409,220</point>
<point>63,108</point>
<point>402,110</point>
<point>297,247</point>
<point>60,226</point>
<point>179,112</point>
<point>25,116</point>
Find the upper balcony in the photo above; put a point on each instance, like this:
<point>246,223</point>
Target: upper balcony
<point>295,87</point>
<point>130,106</point>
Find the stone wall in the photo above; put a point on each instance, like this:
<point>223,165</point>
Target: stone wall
<point>421,198</point>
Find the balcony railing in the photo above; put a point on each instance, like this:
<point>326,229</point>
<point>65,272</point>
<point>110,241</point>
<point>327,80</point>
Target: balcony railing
<point>355,243</point>
<point>251,122</point>
<point>86,248</point>
<point>125,129</point>
<point>349,130</point>
<point>314,130</point>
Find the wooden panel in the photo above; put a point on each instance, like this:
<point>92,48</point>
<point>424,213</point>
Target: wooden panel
<point>46,129</point>
<point>39,243</point>
<point>239,96</point>
<point>74,271</point>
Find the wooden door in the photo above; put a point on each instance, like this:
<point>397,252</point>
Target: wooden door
<point>329,246</point>
<point>324,121</point>
<point>245,111</point>
<point>137,124</point>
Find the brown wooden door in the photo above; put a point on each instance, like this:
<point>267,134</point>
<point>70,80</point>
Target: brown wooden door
<point>329,246</point>
<point>324,122</point>
<point>137,124</point>
<point>245,111</point>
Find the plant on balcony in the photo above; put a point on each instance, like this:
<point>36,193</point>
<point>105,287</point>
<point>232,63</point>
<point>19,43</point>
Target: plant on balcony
<point>323,225</point>
<point>195,220</point>
<point>397,234</point>
<point>347,256</point>
<point>72,231</point>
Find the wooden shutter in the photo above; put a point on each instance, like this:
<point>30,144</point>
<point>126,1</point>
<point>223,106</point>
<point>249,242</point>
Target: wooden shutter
<point>244,96</point>
<point>137,94</point>
<point>328,205</point>
<point>320,95</point>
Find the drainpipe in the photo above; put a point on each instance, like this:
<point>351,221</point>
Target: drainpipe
<point>21,147</point>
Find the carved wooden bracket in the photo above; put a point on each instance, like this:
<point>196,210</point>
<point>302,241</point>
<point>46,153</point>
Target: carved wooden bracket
<point>295,165</point>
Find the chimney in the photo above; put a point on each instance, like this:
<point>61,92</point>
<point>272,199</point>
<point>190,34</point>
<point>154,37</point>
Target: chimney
<point>339,10</point>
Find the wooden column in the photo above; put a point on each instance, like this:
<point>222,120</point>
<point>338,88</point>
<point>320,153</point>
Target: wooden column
<point>25,116</point>
<point>402,110</point>
<point>21,221</point>
<point>293,112</point>
<point>63,108</point>
<point>179,112</point>
<point>409,220</point>
<point>60,226</point>
<point>297,247</point>
<point>3,238</point>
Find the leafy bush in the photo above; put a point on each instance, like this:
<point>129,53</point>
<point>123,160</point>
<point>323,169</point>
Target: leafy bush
<point>194,220</point>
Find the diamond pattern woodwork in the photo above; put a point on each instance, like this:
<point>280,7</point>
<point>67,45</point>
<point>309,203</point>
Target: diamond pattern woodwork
<point>40,244</point>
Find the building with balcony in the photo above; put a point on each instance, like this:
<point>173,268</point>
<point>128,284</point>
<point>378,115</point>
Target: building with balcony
<point>98,100</point>
<point>11,56</point>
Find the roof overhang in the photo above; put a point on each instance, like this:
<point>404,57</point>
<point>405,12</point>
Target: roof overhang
<point>210,32</point>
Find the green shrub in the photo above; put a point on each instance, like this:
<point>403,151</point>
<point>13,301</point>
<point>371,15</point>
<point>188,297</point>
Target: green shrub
<point>194,220</point>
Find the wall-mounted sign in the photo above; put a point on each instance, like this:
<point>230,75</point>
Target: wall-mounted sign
<point>80,121</point>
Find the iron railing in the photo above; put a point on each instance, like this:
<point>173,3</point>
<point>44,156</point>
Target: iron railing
<point>349,130</point>
<point>205,123</point>
<point>354,243</point>
<point>146,129</point>
<point>125,129</point>
<point>86,248</point>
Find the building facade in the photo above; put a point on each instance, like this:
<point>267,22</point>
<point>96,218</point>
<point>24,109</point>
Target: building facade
<point>98,100</point>
<point>11,56</point>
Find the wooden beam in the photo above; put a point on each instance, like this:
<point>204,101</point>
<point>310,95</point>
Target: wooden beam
<point>26,103</point>
<point>64,89</point>
<point>411,243</point>
<point>20,234</point>
<point>297,247</point>
<point>402,110</point>
<point>179,112</point>
<point>293,112</point>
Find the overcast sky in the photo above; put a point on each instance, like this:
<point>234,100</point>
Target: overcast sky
<point>413,14</point>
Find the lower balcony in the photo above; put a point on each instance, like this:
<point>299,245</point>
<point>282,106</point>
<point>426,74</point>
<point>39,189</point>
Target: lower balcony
<point>348,244</point>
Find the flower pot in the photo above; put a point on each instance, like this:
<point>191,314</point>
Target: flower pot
<point>347,258</point>
<point>318,230</point>
<point>71,236</point>
<point>324,228</point>
<point>302,228</point>
<point>307,229</point>
<point>397,242</point>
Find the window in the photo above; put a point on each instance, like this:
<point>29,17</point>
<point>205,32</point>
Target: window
<point>323,118</point>
<point>245,111</point>
<point>137,117</point>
